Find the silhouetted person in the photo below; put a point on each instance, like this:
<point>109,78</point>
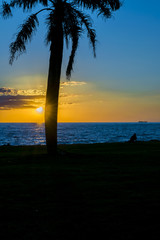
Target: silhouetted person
<point>133,138</point>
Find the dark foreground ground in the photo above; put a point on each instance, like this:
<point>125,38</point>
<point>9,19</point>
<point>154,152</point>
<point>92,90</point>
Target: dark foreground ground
<point>106,191</point>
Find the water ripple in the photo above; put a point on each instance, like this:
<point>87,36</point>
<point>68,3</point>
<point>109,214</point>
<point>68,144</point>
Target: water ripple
<point>74,133</point>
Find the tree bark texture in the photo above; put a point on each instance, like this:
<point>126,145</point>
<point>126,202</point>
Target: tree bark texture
<point>51,109</point>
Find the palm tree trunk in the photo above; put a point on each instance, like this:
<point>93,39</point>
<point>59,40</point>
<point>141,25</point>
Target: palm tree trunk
<point>51,109</point>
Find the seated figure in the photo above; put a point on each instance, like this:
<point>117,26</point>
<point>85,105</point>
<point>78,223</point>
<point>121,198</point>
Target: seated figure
<point>133,138</point>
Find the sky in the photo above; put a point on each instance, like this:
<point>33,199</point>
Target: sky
<point>122,84</point>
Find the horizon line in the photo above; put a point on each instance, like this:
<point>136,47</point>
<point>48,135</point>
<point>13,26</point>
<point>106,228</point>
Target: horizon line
<point>91,122</point>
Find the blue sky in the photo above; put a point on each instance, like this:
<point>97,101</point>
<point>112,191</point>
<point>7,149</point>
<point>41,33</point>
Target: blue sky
<point>127,62</point>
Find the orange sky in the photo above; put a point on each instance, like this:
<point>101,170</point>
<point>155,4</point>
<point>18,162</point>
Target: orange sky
<point>81,102</point>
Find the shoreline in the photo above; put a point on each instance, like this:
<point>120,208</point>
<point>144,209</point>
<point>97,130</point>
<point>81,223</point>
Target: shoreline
<point>70,144</point>
<point>121,148</point>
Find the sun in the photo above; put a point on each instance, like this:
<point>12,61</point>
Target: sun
<point>39,110</point>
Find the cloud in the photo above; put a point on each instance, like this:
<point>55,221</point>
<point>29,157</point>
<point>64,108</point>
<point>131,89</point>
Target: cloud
<point>8,102</point>
<point>72,83</point>
<point>31,98</point>
<point>15,92</point>
<point>31,92</point>
<point>7,91</point>
<point>18,99</point>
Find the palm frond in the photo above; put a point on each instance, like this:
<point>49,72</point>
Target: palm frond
<point>104,10</point>
<point>29,4</point>
<point>75,39</point>
<point>86,3</point>
<point>6,10</point>
<point>24,35</point>
<point>25,4</point>
<point>104,7</point>
<point>91,33</point>
<point>63,12</point>
<point>54,20</point>
<point>51,24</point>
<point>66,39</point>
<point>74,20</point>
<point>72,29</point>
<point>115,4</point>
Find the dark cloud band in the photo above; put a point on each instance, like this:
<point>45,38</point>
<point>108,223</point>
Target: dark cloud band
<point>8,102</point>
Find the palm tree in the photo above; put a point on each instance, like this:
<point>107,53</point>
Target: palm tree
<point>65,20</point>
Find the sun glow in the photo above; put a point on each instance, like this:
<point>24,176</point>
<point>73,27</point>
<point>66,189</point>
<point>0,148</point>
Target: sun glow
<point>39,110</point>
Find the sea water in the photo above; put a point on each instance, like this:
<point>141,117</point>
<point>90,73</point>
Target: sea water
<point>74,133</point>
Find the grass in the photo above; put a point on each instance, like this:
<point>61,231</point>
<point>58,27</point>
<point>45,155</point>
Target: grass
<point>107,191</point>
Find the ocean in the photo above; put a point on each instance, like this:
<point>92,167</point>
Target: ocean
<point>74,133</point>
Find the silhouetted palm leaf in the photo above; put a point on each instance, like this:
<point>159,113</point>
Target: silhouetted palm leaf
<point>25,4</point>
<point>73,22</point>
<point>6,10</point>
<point>24,35</point>
<point>86,20</point>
